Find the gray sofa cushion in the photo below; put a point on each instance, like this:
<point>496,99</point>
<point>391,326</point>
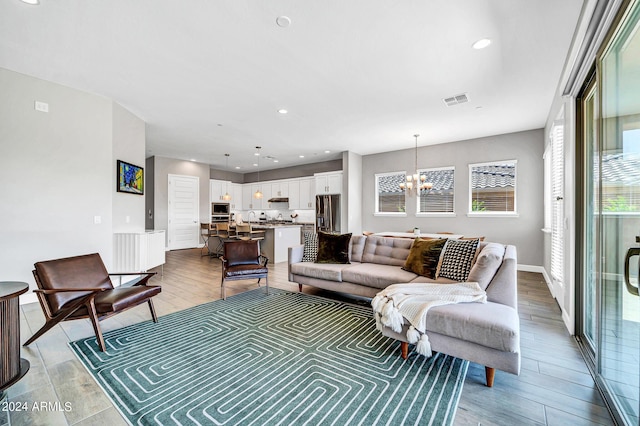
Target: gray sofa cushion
<point>323,271</point>
<point>487,264</point>
<point>488,324</point>
<point>386,251</point>
<point>375,275</point>
<point>356,247</point>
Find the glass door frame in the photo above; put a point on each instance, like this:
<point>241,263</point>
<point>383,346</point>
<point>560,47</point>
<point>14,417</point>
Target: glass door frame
<point>593,353</point>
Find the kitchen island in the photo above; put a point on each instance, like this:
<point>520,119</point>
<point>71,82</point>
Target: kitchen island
<point>277,240</point>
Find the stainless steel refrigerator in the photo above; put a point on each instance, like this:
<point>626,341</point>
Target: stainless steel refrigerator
<point>328,213</point>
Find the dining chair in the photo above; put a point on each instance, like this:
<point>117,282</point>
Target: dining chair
<point>242,261</point>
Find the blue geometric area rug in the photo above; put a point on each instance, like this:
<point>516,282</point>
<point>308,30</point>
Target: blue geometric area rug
<point>283,359</point>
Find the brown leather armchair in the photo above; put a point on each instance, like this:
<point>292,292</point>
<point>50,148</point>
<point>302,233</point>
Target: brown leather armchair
<point>79,287</point>
<point>242,261</point>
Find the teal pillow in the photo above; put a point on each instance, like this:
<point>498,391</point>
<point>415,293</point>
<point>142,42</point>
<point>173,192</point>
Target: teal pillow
<point>333,248</point>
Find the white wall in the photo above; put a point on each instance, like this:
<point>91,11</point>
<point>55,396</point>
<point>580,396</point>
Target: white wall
<point>57,173</point>
<point>523,231</point>
<point>352,190</point>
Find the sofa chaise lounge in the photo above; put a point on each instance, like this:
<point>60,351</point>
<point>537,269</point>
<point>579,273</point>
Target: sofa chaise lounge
<point>484,333</point>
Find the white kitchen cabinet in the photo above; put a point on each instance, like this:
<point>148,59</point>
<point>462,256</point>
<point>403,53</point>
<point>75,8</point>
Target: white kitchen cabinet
<point>217,189</point>
<point>250,203</point>
<point>294,194</point>
<point>329,183</point>
<point>307,194</point>
<point>236,202</point>
<point>279,189</point>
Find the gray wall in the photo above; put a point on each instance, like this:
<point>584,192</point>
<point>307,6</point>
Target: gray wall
<point>162,168</point>
<point>149,193</point>
<point>128,145</point>
<point>295,171</point>
<point>523,231</point>
<point>58,171</point>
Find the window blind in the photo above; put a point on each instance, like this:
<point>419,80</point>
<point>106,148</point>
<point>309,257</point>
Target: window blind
<point>557,200</point>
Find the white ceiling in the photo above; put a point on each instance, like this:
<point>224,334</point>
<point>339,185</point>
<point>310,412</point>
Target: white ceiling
<point>208,77</point>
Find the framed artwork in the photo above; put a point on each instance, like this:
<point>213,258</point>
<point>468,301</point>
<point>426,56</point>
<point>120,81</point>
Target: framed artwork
<point>130,178</point>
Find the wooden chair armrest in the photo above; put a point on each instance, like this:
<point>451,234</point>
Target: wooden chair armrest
<point>67,290</point>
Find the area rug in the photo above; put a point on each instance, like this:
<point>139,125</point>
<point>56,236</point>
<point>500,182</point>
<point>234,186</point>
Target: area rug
<point>282,359</point>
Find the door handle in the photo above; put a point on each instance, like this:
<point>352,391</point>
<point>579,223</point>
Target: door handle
<point>633,251</point>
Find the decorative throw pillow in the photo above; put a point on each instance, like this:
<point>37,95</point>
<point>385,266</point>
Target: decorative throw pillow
<point>487,264</point>
<point>457,259</point>
<point>310,251</point>
<point>424,257</point>
<point>333,248</point>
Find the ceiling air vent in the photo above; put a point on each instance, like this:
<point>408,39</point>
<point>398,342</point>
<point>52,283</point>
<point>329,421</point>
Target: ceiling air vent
<point>457,99</point>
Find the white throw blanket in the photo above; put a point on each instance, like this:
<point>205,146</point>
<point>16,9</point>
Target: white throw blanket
<point>411,302</point>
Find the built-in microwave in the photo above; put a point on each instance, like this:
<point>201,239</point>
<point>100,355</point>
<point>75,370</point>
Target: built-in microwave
<point>219,208</point>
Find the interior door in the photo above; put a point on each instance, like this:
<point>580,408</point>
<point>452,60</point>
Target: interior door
<point>184,209</point>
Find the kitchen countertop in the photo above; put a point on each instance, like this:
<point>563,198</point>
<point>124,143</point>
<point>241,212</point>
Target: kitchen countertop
<point>275,225</point>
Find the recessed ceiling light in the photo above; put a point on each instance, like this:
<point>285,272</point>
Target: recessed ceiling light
<point>33,2</point>
<point>193,159</point>
<point>327,151</point>
<point>283,111</point>
<point>255,164</point>
<point>301,156</point>
<point>275,161</point>
<point>257,154</point>
<point>283,21</point>
<point>237,167</point>
<point>481,44</point>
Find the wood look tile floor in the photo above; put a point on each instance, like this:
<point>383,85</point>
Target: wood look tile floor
<point>554,387</point>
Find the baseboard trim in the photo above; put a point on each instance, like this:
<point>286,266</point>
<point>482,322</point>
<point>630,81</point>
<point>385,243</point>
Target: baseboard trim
<point>531,268</point>
<point>540,270</point>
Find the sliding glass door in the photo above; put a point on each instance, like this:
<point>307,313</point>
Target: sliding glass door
<point>610,137</point>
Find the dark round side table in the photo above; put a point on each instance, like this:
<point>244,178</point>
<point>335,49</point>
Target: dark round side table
<point>12,367</point>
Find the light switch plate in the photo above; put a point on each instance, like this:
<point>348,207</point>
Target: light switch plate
<point>42,106</point>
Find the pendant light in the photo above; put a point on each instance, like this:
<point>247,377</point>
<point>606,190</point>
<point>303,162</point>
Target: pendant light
<point>226,196</point>
<point>258,194</point>
<point>416,180</point>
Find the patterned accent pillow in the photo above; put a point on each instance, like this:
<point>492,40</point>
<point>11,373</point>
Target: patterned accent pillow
<point>310,252</point>
<point>457,259</point>
<point>424,257</point>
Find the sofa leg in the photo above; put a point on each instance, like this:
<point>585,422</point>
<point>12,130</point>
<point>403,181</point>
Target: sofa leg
<point>490,374</point>
<point>300,287</point>
<point>404,350</point>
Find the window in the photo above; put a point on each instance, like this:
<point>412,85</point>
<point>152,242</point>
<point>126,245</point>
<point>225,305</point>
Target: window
<point>390,198</point>
<point>492,188</point>
<point>438,199</point>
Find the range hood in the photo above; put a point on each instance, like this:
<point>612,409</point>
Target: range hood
<point>278,200</point>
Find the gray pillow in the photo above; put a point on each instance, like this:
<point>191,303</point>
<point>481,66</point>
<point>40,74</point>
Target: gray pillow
<point>487,264</point>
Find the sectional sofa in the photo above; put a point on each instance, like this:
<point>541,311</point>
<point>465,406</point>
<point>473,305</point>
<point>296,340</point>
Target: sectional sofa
<point>485,333</point>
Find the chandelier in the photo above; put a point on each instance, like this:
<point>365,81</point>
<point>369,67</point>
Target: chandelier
<point>416,180</point>
<point>226,195</point>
